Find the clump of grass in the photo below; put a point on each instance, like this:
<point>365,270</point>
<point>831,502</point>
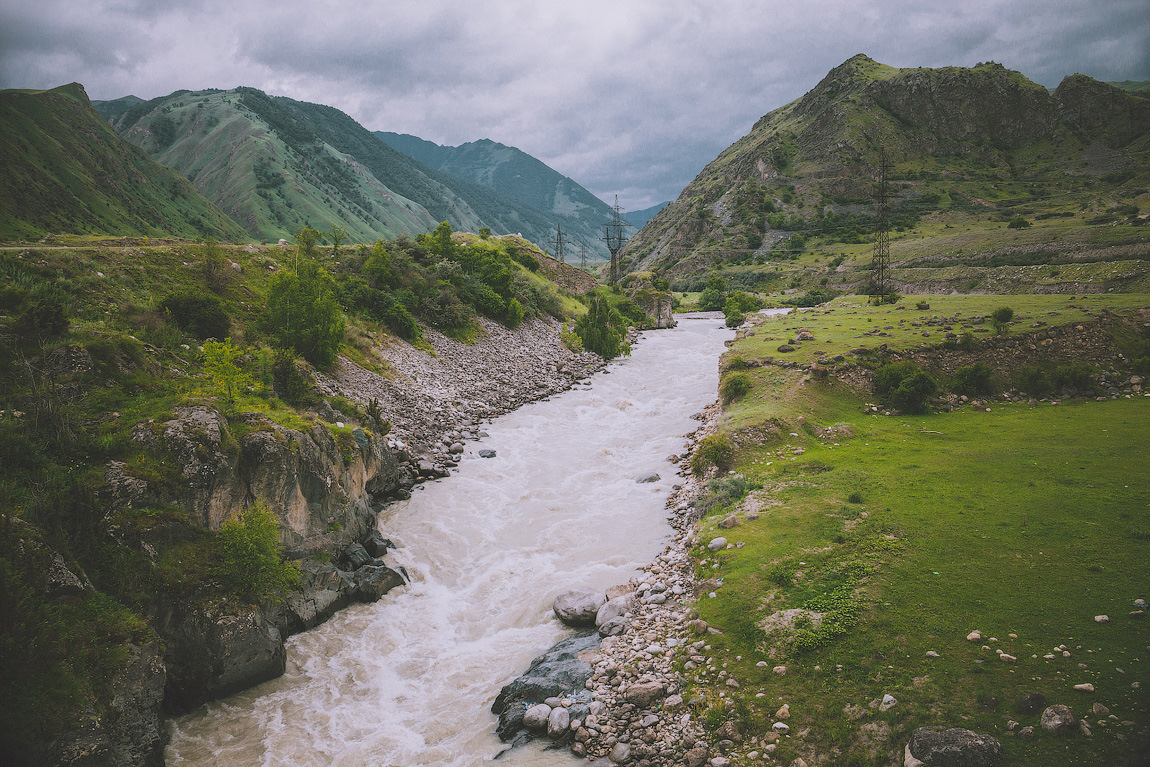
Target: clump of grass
<point>734,386</point>
<point>714,450</point>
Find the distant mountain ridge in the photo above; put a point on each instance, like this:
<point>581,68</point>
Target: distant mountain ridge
<point>639,218</point>
<point>517,174</point>
<point>275,164</point>
<point>64,170</point>
<point>984,138</point>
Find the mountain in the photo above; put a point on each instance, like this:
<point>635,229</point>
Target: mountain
<point>64,170</point>
<point>970,141</point>
<point>639,218</point>
<point>516,174</point>
<point>276,164</point>
<point>1138,86</point>
<point>116,107</point>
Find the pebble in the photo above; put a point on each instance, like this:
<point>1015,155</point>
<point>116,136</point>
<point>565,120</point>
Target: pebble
<point>1087,687</point>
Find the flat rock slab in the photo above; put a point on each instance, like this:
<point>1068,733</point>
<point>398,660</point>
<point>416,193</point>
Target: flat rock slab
<point>954,747</point>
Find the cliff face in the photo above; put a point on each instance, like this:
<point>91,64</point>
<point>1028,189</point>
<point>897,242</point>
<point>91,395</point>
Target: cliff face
<point>1102,112</point>
<point>320,480</point>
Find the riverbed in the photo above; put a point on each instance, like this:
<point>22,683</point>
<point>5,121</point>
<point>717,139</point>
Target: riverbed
<point>410,679</point>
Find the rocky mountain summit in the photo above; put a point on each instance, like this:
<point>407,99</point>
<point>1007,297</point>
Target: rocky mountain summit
<point>947,134</point>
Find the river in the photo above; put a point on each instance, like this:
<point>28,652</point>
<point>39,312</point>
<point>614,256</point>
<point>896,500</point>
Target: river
<point>410,679</point>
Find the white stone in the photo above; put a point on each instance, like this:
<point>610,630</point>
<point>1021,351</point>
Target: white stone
<point>974,636</point>
<point>1101,618</point>
<point>535,718</point>
<point>888,702</point>
<point>1087,687</point>
<point>717,544</point>
<point>781,727</point>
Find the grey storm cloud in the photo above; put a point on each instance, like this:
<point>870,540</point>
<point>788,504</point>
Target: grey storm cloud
<point>628,97</point>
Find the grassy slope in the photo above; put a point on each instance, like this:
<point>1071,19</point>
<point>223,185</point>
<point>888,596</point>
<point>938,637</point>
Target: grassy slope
<point>1028,520</point>
<point>66,170</point>
<point>819,153</point>
<point>270,187</point>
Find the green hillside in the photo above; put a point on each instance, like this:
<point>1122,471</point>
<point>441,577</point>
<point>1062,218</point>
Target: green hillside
<point>64,170</point>
<point>276,164</point>
<point>266,167</point>
<point>969,150</point>
<point>519,175</point>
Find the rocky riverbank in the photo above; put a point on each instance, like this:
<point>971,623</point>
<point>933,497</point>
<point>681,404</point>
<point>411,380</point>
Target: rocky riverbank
<point>621,702</point>
<point>436,400</point>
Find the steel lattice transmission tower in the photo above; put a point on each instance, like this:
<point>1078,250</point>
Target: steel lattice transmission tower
<point>614,238</point>
<point>560,245</point>
<point>880,263</point>
<point>583,256</point>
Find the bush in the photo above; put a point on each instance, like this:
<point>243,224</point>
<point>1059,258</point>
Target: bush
<point>733,313</point>
<point>1002,314</point>
<point>303,313</point>
<point>922,306</point>
<point>734,386</point>
<point>251,565</point>
<point>735,362</point>
<point>293,383</point>
<point>1018,222</point>
<point>973,379</point>
<point>599,330</point>
<point>1076,376</point>
<point>715,450</point>
<point>723,491</point>
<point>904,386</point>
<point>1033,380</point>
<point>514,314</point>
<point>201,315</point>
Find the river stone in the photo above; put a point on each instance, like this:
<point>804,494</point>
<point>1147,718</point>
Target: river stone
<point>578,607</point>
<point>648,478</point>
<point>373,581</point>
<point>377,545</point>
<point>356,555</point>
<point>621,753</point>
<point>613,627</point>
<point>717,544</point>
<point>643,694</point>
<point>536,717</point>
<point>1058,720</point>
<point>486,453</point>
<point>954,747</point>
<point>613,608</point>
<point>557,672</point>
<point>558,722</point>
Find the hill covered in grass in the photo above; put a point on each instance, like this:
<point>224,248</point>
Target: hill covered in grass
<point>276,164</point>
<point>64,170</point>
<point>517,174</point>
<point>976,148</point>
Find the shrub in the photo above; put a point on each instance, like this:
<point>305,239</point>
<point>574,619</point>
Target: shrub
<point>733,312</point>
<point>514,314</point>
<point>1033,380</point>
<point>1018,222</point>
<point>1077,376</point>
<point>303,313</point>
<point>735,362</point>
<point>599,330</point>
<point>715,450</point>
<point>973,379</point>
<point>723,491</point>
<point>1003,314</point>
<point>201,315</point>
<point>251,565</point>
<point>292,381</point>
<point>225,378</point>
<point>922,306</point>
<point>904,386</point>
<point>734,386</point>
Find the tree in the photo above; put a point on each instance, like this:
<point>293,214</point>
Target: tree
<point>251,565</point>
<point>338,236</point>
<point>714,294</point>
<point>304,315</point>
<point>225,378</point>
<point>306,239</point>
<point>733,311</point>
<point>599,330</point>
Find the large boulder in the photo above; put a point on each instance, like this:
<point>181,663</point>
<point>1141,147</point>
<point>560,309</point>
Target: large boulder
<point>578,607</point>
<point>214,649</point>
<point>1058,720</point>
<point>613,608</point>
<point>555,673</point>
<point>954,747</point>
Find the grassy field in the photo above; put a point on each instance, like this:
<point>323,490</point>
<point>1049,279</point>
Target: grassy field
<point>895,536</point>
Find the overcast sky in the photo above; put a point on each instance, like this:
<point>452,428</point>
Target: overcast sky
<point>628,97</point>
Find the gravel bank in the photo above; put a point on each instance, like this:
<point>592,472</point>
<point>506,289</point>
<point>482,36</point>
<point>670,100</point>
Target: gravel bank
<point>434,401</point>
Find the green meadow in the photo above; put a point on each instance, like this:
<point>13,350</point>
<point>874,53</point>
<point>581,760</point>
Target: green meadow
<point>894,536</point>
